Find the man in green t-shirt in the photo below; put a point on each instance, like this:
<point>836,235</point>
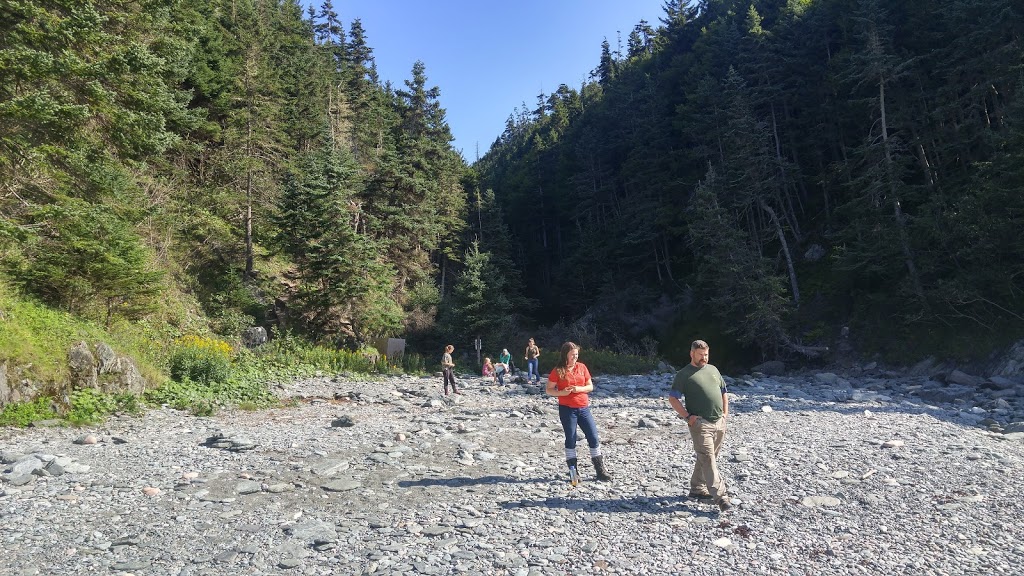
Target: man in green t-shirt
<point>699,396</point>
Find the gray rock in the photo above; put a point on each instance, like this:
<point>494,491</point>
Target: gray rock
<point>54,468</point>
<point>344,485</point>
<point>818,501</point>
<point>254,337</point>
<point>27,465</point>
<point>5,390</point>
<point>248,487</point>
<point>814,253</point>
<point>131,566</point>
<point>436,530</point>
<point>330,467</point>
<point>1000,383</point>
<point>105,357</point>
<point>771,368</point>
<point>313,531</point>
<point>226,557</point>
<point>343,422</point>
<point>18,479</point>
<point>124,377</point>
<point>964,379</point>
<point>944,395</point>
<point>82,366</point>
<point>830,379</point>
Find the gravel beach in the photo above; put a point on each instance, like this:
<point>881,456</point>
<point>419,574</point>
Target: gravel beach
<point>830,474</point>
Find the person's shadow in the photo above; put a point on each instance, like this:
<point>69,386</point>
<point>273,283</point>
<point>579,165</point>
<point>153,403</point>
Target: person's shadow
<point>467,481</point>
<point>641,504</point>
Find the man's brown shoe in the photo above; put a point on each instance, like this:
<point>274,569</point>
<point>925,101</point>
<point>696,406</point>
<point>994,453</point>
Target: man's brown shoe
<point>724,504</point>
<point>699,495</point>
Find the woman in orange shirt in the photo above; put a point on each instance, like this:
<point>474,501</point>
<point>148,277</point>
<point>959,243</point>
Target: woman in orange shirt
<point>570,382</point>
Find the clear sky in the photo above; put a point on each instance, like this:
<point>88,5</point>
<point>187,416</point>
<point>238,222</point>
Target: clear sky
<point>489,56</point>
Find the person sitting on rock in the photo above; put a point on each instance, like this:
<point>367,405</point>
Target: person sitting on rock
<point>503,366</point>
<point>488,369</point>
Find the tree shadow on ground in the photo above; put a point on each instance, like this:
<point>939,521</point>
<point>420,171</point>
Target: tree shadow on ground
<point>799,398</point>
<point>896,406</point>
<point>467,481</point>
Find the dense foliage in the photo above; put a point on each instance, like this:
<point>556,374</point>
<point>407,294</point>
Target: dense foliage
<point>779,169</point>
<point>764,171</point>
<point>241,152</point>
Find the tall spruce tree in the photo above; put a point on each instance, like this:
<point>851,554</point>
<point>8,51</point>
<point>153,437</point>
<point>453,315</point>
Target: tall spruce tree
<point>345,283</point>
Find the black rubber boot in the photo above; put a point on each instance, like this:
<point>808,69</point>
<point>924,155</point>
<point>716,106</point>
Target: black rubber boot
<point>602,474</point>
<point>574,475</point>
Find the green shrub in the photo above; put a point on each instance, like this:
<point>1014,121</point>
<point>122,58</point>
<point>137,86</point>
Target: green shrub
<point>412,363</point>
<point>199,359</point>
<point>292,352</point>
<point>24,413</point>
<point>90,406</point>
<point>600,362</point>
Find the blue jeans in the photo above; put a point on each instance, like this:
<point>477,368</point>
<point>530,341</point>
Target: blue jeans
<point>533,368</point>
<point>573,417</point>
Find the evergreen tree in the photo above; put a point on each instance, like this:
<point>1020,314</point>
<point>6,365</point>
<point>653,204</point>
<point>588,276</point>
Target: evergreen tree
<point>736,282</point>
<point>480,302</point>
<point>87,261</point>
<point>346,285</point>
<point>415,201</point>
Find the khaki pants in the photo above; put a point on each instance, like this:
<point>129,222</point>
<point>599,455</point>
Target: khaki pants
<point>707,442</point>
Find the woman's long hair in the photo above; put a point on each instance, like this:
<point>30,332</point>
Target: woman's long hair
<point>563,358</point>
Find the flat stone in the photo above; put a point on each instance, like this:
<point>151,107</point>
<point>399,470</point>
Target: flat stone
<point>816,501</point>
<point>342,485</point>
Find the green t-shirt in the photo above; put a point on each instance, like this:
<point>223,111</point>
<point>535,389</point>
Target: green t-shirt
<point>701,390</point>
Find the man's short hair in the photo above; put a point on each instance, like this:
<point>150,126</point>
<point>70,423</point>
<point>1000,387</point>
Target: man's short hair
<point>699,345</point>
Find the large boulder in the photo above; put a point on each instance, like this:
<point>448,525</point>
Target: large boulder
<point>814,253</point>
<point>771,368</point>
<point>105,357</point>
<point>122,375</point>
<point>5,391</point>
<point>103,369</point>
<point>964,379</point>
<point>254,337</point>
<point>1011,365</point>
<point>14,388</point>
<point>82,366</point>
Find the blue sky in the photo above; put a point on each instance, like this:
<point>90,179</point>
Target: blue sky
<point>489,56</point>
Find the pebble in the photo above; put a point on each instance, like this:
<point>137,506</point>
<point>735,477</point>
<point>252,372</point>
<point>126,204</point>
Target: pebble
<point>397,479</point>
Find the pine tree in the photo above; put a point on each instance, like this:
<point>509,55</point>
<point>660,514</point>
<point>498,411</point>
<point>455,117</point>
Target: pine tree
<point>415,200</point>
<point>346,285</point>
<point>89,262</point>
<point>480,304</point>
<point>736,282</point>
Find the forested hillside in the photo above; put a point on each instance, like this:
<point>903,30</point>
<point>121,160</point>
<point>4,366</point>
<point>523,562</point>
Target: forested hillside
<point>762,173</point>
<point>170,167</point>
<point>777,170</point>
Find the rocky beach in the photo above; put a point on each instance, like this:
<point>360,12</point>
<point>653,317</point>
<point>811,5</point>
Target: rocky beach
<point>871,472</point>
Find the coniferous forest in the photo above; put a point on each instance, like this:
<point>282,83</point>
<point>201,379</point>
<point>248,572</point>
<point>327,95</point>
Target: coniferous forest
<point>789,174</point>
<point>780,176</point>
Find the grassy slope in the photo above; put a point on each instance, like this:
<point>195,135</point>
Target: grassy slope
<point>35,338</point>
